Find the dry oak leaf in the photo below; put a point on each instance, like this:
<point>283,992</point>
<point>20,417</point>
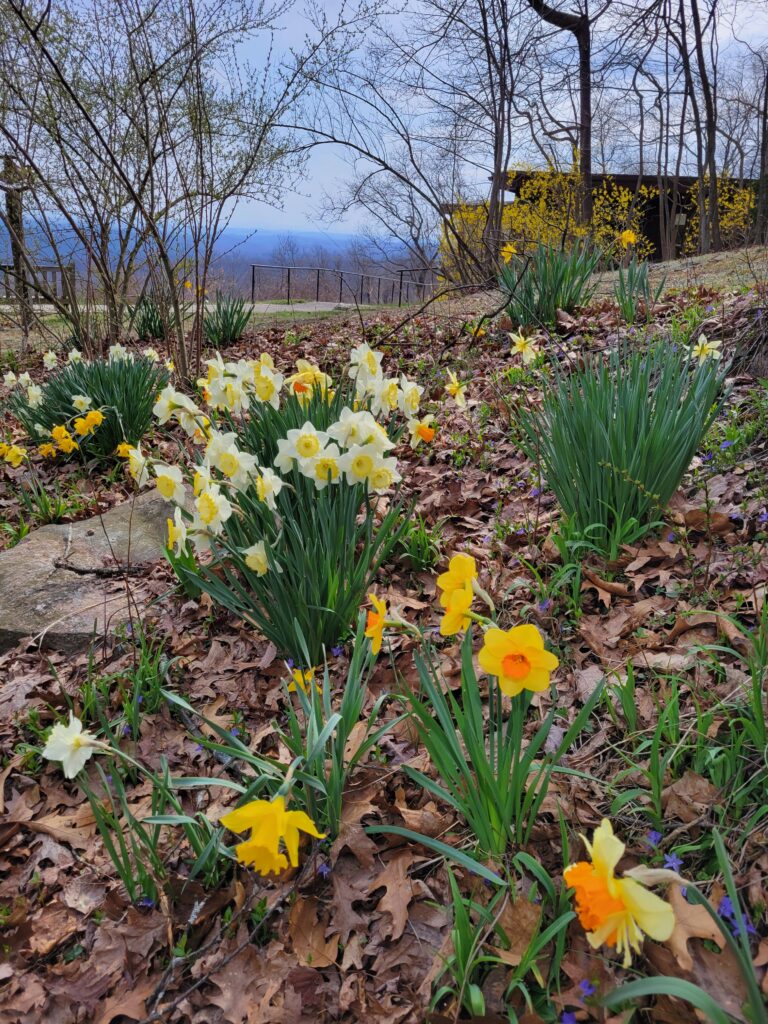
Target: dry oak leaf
<point>519,921</point>
<point>692,921</point>
<point>308,935</point>
<point>399,891</point>
<point>688,798</point>
<point>426,820</point>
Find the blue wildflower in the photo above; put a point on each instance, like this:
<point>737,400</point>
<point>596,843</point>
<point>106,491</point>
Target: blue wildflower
<point>672,862</point>
<point>726,444</point>
<point>587,988</point>
<point>653,838</point>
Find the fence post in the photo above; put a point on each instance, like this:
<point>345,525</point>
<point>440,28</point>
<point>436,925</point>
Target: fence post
<point>289,287</point>
<point>378,296</point>
<point>317,289</point>
<point>400,293</point>
<point>253,283</point>
<point>341,284</point>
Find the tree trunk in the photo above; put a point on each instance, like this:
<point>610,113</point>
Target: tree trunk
<point>14,211</point>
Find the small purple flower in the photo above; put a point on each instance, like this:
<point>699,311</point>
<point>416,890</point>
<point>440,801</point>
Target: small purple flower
<point>726,908</point>
<point>108,778</point>
<point>763,517</point>
<point>520,531</point>
<point>145,902</point>
<point>290,663</point>
<point>337,651</point>
<point>199,746</point>
<point>670,536</point>
<point>726,444</point>
<point>707,457</point>
<point>234,732</point>
<point>126,730</point>
<point>139,699</point>
<point>535,492</point>
<point>587,988</point>
<point>709,309</point>
<point>653,838</point>
<point>545,605</point>
<point>568,1018</point>
<point>324,870</point>
<point>672,862</point>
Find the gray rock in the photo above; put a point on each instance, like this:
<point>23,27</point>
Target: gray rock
<point>64,586</point>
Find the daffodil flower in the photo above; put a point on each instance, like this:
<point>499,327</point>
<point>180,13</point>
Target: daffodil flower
<point>705,349</point>
<point>615,911</point>
<point>269,823</point>
<point>456,390</point>
<point>72,745</point>
<point>375,622</point>
<point>517,658</point>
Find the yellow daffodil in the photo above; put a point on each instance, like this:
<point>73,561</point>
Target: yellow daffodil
<point>508,251</point>
<point>302,678</point>
<point>456,390</point>
<point>47,450</point>
<point>706,349</point>
<point>63,440</point>
<point>615,911</point>
<point>524,347</point>
<point>455,618</point>
<point>82,427</point>
<point>374,626</point>
<point>627,238</point>
<point>94,418</point>
<point>517,657</point>
<point>14,455</point>
<point>123,450</point>
<point>269,823</point>
<point>462,571</point>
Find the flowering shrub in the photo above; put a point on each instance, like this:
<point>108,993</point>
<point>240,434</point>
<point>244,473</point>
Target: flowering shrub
<point>285,492</point>
<point>122,389</point>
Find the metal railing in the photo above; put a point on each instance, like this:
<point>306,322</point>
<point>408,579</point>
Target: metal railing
<point>342,285</point>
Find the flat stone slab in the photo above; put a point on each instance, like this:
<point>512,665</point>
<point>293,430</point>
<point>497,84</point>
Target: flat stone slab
<point>63,586</point>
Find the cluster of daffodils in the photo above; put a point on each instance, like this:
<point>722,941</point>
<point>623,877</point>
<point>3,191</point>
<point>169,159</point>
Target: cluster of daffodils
<point>61,437</point>
<point>12,454</point>
<point>387,395</point>
<point>24,381</point>
<point>355,450</point>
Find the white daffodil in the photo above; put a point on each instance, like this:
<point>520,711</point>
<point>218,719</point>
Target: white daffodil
<point>138,466</point>
<point>267,385</point>
<point>268,486</point>
<point>306,442</point>
<point>385,396</point>
<point>177,532</point>
<point>213,509</point>
<point>118,352</point>
<point>151,354</point>
<point>71,745</point>
<point>364,363</point>
<point>323,468</point>
<point>257,559</point>
<point>34,396</point>
<point>409,397</point>
<point>50,360</point>
<point>81,402</point>
<point>10,379</point>
<point>24,379</point>
<point>359,463</point>
<point>202,478</point>
<point>74,356</point>
<point>170,483</point>
<point>421,430</point>
<point>384,475</point>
